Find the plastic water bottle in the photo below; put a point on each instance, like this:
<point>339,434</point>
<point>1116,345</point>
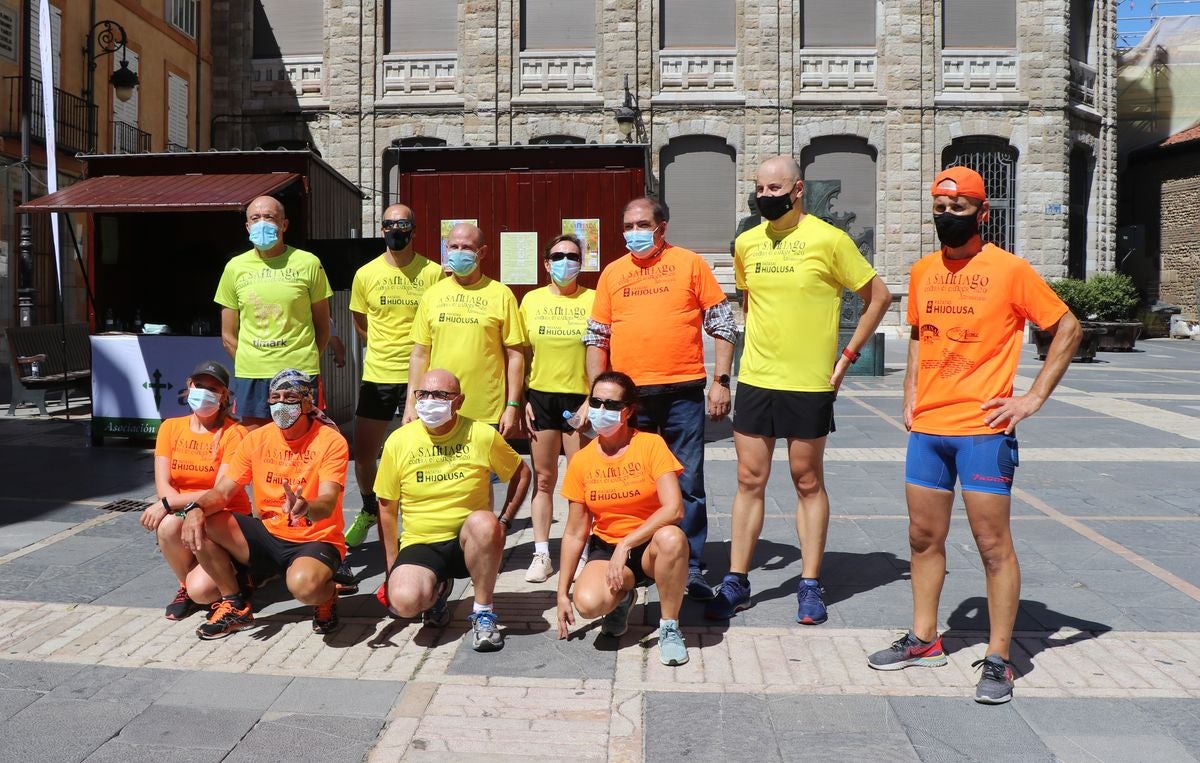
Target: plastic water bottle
<point>578,423</point>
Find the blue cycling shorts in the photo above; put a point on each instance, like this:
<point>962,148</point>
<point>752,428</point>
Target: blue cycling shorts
<point>984,463</point>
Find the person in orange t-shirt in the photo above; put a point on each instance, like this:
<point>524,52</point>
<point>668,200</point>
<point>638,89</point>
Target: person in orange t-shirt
<point>650,308</point>
<point>624,486</point>
<point>967,305</point>
<point>190,455</point>
<point>297,465</point>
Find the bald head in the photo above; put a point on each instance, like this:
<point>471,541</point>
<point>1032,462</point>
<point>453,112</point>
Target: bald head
<point>266,207</point>
<point>398,212</point>
<point>440,380</point>
<point>782,169</point>
<point>465,236</point>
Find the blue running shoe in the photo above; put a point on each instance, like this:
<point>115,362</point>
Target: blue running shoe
<point>733,596</point>
<point>810,597</point>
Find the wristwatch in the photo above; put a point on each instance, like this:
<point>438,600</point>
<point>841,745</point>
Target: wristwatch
<point>505,521</point>
<point>851,356</point>
<point>184,511</point>
<point>723,380</point>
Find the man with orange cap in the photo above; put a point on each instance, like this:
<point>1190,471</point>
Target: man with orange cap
<point>967,305</point>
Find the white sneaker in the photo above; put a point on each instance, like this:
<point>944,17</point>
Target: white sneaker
<point>540,569</point>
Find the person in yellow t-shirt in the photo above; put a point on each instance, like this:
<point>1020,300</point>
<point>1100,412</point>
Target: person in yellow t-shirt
<point>383,301</point>
<point>793,269</point>
<point>555,318</point>
<point>435,474</point>
<point>624,488</point>
<point>191,453</point>
<point>469,324</point>
<point>274,311</point>
<point>297,466</point>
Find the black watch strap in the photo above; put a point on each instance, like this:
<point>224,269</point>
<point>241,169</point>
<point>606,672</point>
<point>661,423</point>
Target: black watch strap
<point>166,504</point>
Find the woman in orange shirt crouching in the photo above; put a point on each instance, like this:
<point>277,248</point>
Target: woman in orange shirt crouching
<point>189,456</point>
<point>624,487</point>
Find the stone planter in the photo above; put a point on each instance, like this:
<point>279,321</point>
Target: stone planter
<point>1118,336</point>
<point>1086,352</point>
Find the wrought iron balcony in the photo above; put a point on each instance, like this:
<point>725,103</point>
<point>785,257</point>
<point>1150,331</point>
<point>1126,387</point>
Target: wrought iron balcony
<point>128,139</point>
<point>70,117</point>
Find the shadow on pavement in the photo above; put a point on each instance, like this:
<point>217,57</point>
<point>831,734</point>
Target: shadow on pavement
<point>969,622</point>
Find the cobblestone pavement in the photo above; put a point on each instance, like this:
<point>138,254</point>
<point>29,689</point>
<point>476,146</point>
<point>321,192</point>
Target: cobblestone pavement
<point>1106,518</point>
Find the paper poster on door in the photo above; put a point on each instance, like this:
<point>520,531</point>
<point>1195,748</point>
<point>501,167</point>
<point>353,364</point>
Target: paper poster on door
<point>587,230</point>
<point>518,258</point>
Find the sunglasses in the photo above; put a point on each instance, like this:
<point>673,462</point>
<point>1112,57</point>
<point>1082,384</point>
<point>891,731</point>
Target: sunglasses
<point>400,224</point>
<point>434,394</point>
<point>608,405</point>
<point>557,256</point>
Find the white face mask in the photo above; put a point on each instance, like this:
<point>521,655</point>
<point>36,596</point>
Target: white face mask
<point>604,421</point>
<point>204,402</point>
<point>434,413</point>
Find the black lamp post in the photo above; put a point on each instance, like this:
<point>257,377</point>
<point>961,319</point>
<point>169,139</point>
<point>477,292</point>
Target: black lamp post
<point>629,118</point>
<point>106,37</point>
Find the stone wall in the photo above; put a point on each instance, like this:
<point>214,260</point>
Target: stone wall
<point>1180,237</point>
<point>908,115</point>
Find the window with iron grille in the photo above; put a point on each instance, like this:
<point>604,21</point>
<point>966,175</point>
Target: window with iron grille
<point>181,14</point>
<point>8,33</point>
<point>996,161</point>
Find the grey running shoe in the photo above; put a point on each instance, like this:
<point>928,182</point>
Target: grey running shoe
<point>907,652</point>
<point>995,685</point>
<point>699,589</point>
<point>485,631</point>
<point>615,623</point>
<point>671,649</point>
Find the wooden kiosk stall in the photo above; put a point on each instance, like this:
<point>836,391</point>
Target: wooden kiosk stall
<point>159,230</point>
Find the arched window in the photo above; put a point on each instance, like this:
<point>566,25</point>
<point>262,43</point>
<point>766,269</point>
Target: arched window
<point>698,186</point>
<point>841,187</point>
<point>996,161</point>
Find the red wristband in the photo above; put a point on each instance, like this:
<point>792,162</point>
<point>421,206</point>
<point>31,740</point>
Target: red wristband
<point>851,356</point>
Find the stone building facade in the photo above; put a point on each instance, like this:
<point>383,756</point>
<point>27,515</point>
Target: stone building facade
<point>892,90</point>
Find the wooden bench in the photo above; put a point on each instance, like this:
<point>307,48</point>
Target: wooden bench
<point>56,370</point>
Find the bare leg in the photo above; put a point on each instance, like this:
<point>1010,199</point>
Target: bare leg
<point>411,589</point>
<point>170,543</point>
<point>592,596</point>
<point>223,543</point>
<point>544,449</point>
<point>754,467</point>
<point>807,461</point>
<point>928,526</point>
<point>988,514</point>
<point>482,540</point>
<point>666,560</point>
<point>310,580</point>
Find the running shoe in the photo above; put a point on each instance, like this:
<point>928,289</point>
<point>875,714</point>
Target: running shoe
<point>181,606</point>
<point>615,623</point>
<point>909,651</point>
<point>356,533</point>
<point>733,596</point>
<point>698,588</point>
<point>810,600</point>
<point>325,616</point>
<point>345,580</point>
<point>225,619</point>
<point>672,650</point>
<point>485,631</point>
<point>540,569</point>
<point>438,616</point>
<point>995,685</point>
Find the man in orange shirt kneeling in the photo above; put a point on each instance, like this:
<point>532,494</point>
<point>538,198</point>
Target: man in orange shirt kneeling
<point>297,466</point>
<point>967,305</point>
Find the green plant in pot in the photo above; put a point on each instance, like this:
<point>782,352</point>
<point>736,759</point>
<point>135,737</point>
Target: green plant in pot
<point>1114,301</point>
<point>1079,299</point>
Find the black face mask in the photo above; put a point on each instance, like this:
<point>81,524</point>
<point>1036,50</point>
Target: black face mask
<point>774,207</point>
<point>955,230</point>
<point>396,240</point>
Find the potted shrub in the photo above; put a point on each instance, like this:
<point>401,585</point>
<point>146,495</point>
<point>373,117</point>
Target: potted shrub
<point>1079,300</point>
<point>1113,301</point>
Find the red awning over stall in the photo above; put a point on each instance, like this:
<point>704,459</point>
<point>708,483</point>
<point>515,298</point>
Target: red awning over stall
<point>162,193</point>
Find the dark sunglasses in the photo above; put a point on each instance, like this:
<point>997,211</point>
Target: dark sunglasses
<point>572,256</point>
<point>434,394</point>
<point>608,405</point>
<point>401,224</point>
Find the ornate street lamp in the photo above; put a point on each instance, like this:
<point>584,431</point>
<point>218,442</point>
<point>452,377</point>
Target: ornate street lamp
<point>629,118</point>
<point>107,37</point>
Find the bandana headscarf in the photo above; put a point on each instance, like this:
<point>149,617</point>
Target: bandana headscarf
<point>291,379</point>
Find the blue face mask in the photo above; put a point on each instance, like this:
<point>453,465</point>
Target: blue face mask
<point>639,241</point>
<point>462,262</point>
<point>604,421</point>
<point>263,234</point>
<point>202,401</point>
<point>564,272</point>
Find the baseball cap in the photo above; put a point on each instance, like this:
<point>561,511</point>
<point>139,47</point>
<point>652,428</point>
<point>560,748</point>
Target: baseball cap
<point>959,181</point>
<point>214,369</point>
